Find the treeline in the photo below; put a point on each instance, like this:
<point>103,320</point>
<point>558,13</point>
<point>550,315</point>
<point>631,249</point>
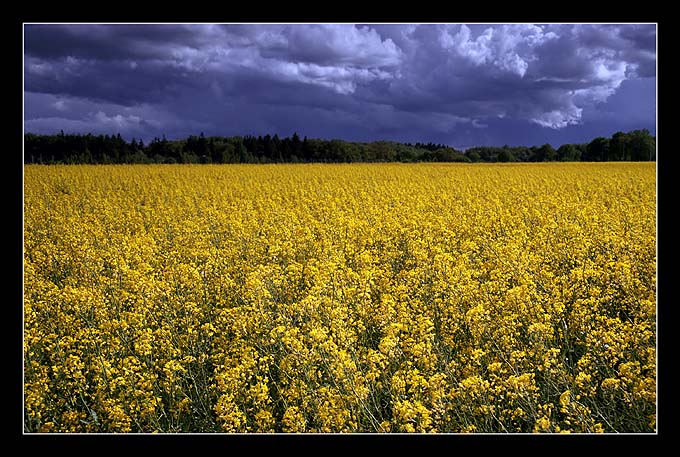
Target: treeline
<point>637,145</point>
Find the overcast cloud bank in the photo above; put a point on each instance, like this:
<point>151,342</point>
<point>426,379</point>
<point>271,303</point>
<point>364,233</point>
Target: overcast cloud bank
<point>461,85</point>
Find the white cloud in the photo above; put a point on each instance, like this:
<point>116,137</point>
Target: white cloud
<point>340,43</point>
<point>557,119</point>
<point>342,80</point>
<point>335,56</point>
<point>38,67</point>
<point>60,105</point>
<point>508,48</point>
<point>118,120</point>
<point>338,57</point>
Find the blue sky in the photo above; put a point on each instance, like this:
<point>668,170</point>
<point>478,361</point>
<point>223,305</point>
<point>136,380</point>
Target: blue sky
<point>459,84</point>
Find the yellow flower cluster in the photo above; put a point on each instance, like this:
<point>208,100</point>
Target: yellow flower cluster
<point>420,298</point>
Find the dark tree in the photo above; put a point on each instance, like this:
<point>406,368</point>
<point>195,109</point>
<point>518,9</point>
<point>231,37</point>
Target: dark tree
<point>642,145</point>
<point>598,150</point>
<point>568,153</point>
<point>619,146</point>
<point>545,153</point>
<point>505,156</point>
<point>473,155</point>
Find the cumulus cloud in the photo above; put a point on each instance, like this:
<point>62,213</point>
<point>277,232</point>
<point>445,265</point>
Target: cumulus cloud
<point>507,48</point>
<point>370,80</point>
<point>332,45</point>
<point>545,75</point>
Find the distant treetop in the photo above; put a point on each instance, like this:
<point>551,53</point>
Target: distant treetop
<point>637,145</point>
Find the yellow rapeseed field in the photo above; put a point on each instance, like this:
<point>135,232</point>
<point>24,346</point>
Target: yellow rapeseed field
<point>340,298</point>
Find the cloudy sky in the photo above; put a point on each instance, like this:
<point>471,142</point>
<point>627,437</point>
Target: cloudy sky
<point>457,84</point>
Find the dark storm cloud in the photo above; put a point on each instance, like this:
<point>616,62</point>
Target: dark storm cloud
<point>122,82</point>
<point>449,83</point>
<point>110,42</point>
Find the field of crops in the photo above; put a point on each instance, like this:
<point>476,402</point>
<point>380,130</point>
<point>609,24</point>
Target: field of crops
<point>340,298</point>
